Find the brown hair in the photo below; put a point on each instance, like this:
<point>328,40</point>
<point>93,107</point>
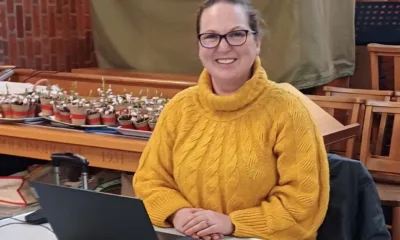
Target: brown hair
<point>255,20</point>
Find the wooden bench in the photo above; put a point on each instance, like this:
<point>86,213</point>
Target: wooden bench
<point>87,82</point>
<point>135,74</point>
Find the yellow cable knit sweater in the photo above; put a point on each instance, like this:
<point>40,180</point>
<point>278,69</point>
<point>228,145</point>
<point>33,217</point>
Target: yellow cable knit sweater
<point>255,155</point>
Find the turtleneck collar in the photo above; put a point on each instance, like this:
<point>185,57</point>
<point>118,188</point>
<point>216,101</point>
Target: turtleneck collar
<point>246,94</point>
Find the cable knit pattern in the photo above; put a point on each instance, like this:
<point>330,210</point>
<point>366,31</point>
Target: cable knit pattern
<point>255,155</point>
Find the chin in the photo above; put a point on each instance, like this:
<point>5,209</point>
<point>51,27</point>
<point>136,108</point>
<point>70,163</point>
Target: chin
<point>225,76</point>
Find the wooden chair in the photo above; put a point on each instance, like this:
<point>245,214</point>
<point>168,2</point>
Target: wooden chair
<point>377,50</point>
<point>378,162</point>
<point>351,105</point>
<point>386,168</point>
<point>396,97</point>
<point>365,94</point>
<point>390,196</point>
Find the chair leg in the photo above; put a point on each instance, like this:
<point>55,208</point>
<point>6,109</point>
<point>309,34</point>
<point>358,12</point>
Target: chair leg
<point>396,224</point>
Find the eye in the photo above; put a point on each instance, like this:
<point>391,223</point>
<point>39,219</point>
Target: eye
<point>237,34</point>
<point>210,36</point>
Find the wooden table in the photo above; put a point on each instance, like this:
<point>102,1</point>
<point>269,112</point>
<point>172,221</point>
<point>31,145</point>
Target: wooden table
<point>104,151</point>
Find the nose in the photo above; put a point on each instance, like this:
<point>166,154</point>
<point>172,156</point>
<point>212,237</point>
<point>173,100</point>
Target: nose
<point>224,46</point>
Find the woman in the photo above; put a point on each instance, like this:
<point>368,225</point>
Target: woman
<point>235,155</point>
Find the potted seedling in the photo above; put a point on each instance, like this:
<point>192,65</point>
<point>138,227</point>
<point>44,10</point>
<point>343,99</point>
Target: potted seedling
<point>125,118</point>
<point>108,115</point>
<point>20,105</point>
<point>62,96</point>
<point>105,93</point>
<point>46,98</point>
<point>140,121</point>
<point>79,108</point>
<point>65,114</point>
<point>93,113</point>
<point>123,101</point>
<point>34,100</point>
<point>153,121</point>
<point>6,105</point>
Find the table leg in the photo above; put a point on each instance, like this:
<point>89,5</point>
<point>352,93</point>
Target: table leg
<point>396,224</point>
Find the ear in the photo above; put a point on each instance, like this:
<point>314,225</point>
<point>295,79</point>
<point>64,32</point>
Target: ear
<point>258,45</point>
<point>198,49</point>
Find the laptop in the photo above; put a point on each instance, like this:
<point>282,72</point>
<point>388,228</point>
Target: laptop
<point>85,214</point>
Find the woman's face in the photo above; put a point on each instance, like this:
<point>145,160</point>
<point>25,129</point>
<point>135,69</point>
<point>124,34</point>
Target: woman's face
<point>227,64</point>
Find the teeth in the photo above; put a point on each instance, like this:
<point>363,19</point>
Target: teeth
<point>225,61</point>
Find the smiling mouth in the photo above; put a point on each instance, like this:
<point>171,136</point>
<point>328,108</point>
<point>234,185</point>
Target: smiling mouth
<point>226,60</point>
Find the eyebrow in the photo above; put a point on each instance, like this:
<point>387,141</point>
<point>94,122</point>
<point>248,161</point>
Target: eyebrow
<point>232,29</point>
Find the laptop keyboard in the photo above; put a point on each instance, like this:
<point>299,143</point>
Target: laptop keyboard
<point>168,236</point>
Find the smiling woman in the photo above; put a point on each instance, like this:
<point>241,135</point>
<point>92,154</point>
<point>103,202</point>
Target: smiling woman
<point>237,154</point>
<point>231,39</point>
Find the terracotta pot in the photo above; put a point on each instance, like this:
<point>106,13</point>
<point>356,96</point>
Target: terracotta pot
<point>109,119</point>
<point>143,126</point>
<point>78,115</point>
<point>19,111</point>
<point>126,124</point>
<point>56,113</point>
<point>152,125</point>
<point>94,119</point>
<point>65,117</point>
<point>7,112</point>
<point>46,107</point>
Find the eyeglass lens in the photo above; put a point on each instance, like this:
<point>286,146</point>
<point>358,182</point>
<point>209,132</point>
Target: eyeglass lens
<point>234,38</point>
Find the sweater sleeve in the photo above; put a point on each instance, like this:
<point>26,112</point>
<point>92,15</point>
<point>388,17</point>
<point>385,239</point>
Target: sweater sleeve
<point>153,181</point>
<point>297,205</point>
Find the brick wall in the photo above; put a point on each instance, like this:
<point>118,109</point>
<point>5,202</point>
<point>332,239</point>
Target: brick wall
<point>46,34</point>
<point>1,41</point>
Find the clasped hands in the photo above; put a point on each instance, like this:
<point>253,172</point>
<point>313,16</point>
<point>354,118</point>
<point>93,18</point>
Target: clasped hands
<point>200,223</point>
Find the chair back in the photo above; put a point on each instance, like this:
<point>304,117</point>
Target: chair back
<point>378,50</point>
<point>383,163</point>
<point>351,106</point>
<point>365,94</point>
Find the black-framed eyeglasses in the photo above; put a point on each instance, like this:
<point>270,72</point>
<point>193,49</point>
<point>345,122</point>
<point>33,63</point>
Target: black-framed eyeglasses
<point>233,38</point>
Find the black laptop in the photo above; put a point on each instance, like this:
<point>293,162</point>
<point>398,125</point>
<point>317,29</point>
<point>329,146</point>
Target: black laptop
<point>84,214</point>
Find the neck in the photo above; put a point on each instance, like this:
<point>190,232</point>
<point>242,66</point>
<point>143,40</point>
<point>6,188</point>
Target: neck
<point>224,89</point>
<point>236,97</point>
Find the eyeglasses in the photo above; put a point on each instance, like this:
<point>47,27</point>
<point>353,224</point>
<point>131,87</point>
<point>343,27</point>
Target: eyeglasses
<point>234,38</point>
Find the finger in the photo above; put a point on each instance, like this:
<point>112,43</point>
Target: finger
<point>207,238</point>
<point>198,227</point>
<point>201,212</point>
<point>207,231</point>
<point>193,210</point>
<point>193,221</point>
<point>216,236</point>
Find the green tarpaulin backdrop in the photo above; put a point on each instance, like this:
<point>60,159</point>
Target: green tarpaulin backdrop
<point>310,42</point>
